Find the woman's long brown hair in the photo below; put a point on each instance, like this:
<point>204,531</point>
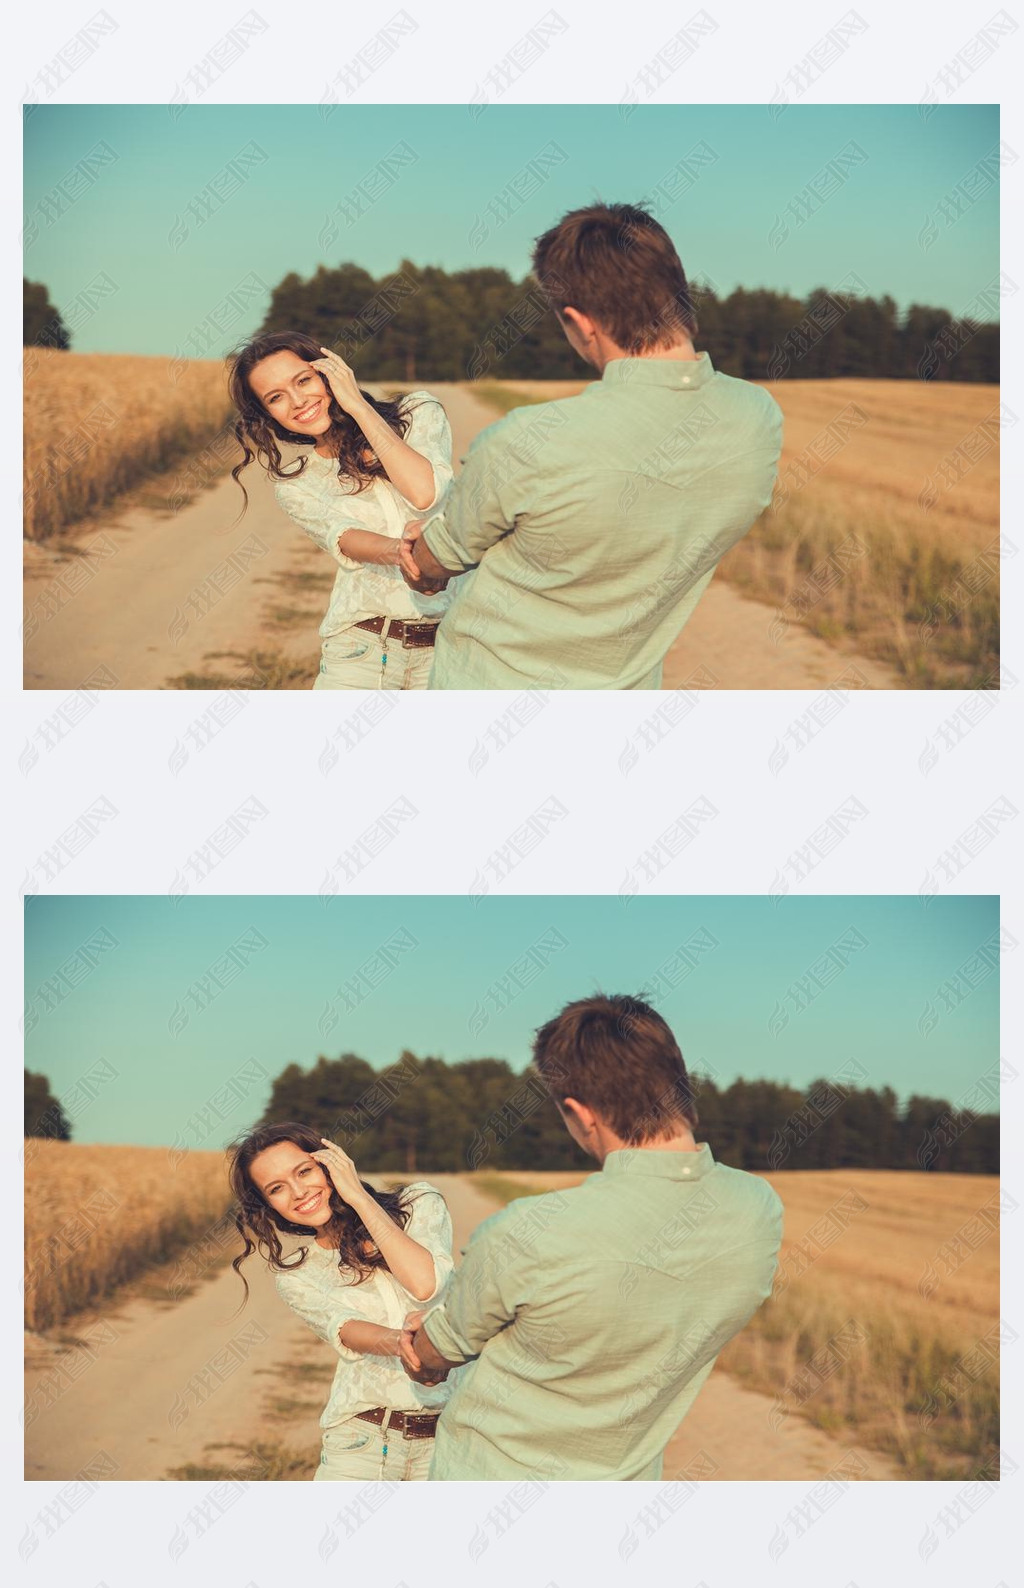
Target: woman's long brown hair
<point>258,1223</point>
<point>258,433</point>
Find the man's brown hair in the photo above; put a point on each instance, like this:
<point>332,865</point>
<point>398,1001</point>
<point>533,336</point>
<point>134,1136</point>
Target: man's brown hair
<point>618,1056</point>
<point>619,267</point>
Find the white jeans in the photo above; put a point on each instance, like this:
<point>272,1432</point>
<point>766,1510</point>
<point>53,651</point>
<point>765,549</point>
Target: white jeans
<point>351,659</point>
<point>354,1449</point>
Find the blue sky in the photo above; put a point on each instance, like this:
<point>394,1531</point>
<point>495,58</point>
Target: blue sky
<point>170,263</point>
<point>186,997</point>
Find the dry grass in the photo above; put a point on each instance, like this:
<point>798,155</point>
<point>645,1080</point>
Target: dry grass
<point>273,1463</point>
<point>509,394</point>
<point>96,1216</point>
<point>898,1385</point>
<point>918,583</point>
<point>922,588</point>
<point>255,669</point>
<point>98,423</point>
<point>896,1378</point>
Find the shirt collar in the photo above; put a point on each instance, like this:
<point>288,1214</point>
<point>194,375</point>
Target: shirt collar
<point>666,1165</point>
<point>684,374</point>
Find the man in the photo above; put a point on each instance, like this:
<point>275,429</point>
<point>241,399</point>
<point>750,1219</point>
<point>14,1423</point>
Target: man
<point>592,1316</point>
<point>594,523</point>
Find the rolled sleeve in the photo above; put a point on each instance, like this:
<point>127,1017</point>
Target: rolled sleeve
<point>484,501</point>
<point>430,435</point>
<point>317,1300</point>
<point>481,1300</point>
<point>323,521</point>
<point>430,1224</point>
<point>439,537</point>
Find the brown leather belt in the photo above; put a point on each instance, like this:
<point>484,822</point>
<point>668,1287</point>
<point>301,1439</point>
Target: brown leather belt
<point>414,1425</point>
<point>412,635</point>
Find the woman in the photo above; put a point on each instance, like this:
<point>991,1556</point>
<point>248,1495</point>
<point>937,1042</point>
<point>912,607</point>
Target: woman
<point>374,1257</point>
<point>370,468</point>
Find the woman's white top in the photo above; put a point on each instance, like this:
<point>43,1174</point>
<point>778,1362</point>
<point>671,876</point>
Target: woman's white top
<point>326,506</point>
<point>318,1292</point>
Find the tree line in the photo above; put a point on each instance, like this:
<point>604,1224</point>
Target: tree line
<point>427,323</point>
<point>479,1114</point>
<point>44,1115</point>
<point>42,322</point>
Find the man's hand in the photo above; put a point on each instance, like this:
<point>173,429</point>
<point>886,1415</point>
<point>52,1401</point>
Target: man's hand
<point>419,582</point>
<point>412,573</point>
<point>409,1351</point>
<point>416,559</point>
<point>412,1364</point>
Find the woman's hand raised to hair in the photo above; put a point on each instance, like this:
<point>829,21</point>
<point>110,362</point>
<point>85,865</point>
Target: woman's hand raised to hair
<point>341,1172</point>
<point>342,381</point>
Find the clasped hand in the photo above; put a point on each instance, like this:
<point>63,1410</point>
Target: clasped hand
<point>410,1361</point>
<point>413,575</point>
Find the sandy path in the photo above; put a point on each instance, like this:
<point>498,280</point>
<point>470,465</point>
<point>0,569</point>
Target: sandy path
<point>152,596</point>
<point>728,1425</point>
<point>167,1382</point>
<point>729,637</point>
<point>179,1378</point>
<point>176,1379</point>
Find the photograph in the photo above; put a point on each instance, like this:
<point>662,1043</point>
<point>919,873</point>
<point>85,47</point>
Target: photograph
<point>527,1189</point>
<point>516,1095</point>
<point>496,396</point>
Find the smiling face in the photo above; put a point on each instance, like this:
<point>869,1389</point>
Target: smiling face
<point>293,1184</point>
<point>292,393</point>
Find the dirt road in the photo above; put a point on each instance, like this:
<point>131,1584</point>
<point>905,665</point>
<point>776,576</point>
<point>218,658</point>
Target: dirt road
<point>730,638</point>
<point>162,1386</point>
<point>153,596</point>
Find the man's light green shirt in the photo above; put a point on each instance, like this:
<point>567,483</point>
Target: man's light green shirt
<point>593,525</point>
<point>594,1316</point>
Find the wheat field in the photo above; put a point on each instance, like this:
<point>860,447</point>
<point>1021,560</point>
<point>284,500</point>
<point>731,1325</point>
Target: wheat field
<point>884,527</point>
<point>97,423</point>
<point>95,1216</point>
<point>884,1318</point>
